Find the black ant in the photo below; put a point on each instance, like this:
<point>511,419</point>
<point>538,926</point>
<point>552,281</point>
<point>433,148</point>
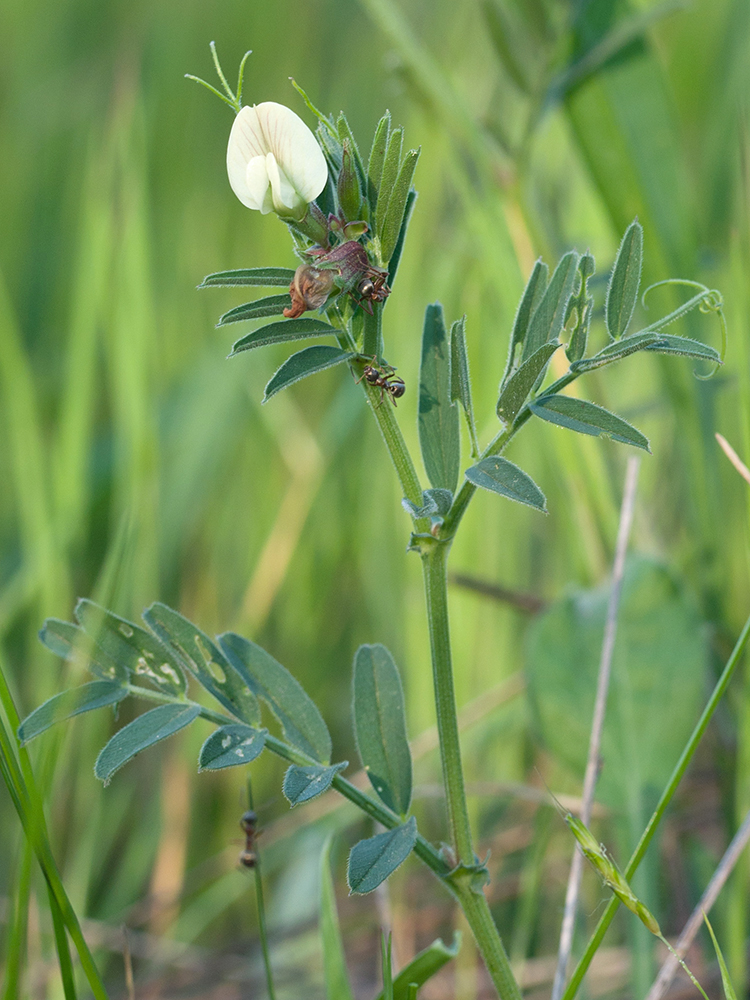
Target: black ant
<point>383,378</point>
<point>249,822</point>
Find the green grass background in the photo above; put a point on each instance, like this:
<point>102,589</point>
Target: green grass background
<point>137,463</point>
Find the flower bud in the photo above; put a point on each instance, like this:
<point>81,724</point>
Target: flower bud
<point>309,290</point>
<point>274,161</point>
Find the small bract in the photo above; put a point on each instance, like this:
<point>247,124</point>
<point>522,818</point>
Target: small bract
<point>274,161</point>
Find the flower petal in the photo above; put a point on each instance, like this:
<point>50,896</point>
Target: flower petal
<point>294,147</point>
<point>286,201</point>
<point>257,187</point>
<point>246,143</point>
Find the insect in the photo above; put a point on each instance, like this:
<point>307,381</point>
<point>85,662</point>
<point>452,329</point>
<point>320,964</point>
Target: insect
<point>249,822</point>
<point>383,378</point>
<point>372,288</point>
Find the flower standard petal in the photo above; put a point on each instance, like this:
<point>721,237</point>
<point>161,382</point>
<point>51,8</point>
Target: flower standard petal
<point>295,149</point>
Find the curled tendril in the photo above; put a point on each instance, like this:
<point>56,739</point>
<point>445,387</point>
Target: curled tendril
<point>709,300</point>
<point>228,97</point>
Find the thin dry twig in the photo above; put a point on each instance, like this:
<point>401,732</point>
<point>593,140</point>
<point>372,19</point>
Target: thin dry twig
<point>592,764</point>
<point>734,458</point>
<point>714,887</point>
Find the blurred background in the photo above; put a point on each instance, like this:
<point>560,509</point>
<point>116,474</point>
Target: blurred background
<point>137,463</point>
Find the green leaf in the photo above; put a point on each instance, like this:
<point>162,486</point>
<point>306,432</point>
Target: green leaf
<point>659,669</point>
<point>304,783</point>
<point>517,389</point>
<point>309,361</point>
<point>587,418</point>
<point>726,980</point>
<point>377,156</point>
<point>261,277</point>
<point>460,379</point>
<point>143,732</point>
<point>380,726</point>
<point>372,861</point>
<point>285,330</point>
<point>231,745</point>
<point>135,649</point>
<point>684,347</point>
<point>395,258</point>
<point>298,715</point>
<point>424,966</point>
<point>271,305</point>
<point>397,205</point>
<point>501,476</point>
<point>391,165</point>
<point>71,642</point>
<point>547,321</point>
<point>345,132</point>
<point>617,351</point>
<point>203,658</point>
<point>61,706</point>
<point>438,416</point>
<point>434,503</point>
<point>535,288</point>
<point>334,959</point>
<point>622,293</point>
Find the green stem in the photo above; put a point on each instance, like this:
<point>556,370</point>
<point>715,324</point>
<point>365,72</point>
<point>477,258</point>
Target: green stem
<point>436,593</point>
<point>661,808</point>
<point>479,918</point>
<point>385,414</point>
<point>262,930</point>
<point>63,949</point>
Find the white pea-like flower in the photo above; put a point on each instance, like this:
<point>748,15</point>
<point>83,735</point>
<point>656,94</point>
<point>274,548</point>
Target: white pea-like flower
<point>274,161</point>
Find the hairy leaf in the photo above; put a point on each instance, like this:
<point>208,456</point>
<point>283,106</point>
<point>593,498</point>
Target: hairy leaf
<point>143,732</point>
<point>380,725</point>
<point>532,295</point>
<point>460,379</point>
<point>231,745</point>
<point>397,204</point>
<point>547,322</point>
<point>71,642</point>
<point>285,330</point>
<point>438,416</point>
<point>622,293</point>
<point>377,156</point>
<point>309,361</point>
<point>391,164</point>
<point>372,861</point>
<point>271,305</point>
<point>501,476</point>
<point>587,418</point>
<point>615,352</point>
<point>262,277</point>
<point>684,347</point>
<point>304,783</point>
<point>203,658</point>
<point>518,387</point>
<point>85,698</point>
<point>300,719</point>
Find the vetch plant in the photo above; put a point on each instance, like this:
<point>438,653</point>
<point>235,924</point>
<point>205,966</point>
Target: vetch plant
<point>348,219</point>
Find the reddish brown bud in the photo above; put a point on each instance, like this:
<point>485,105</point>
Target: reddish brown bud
<point>309,290</point>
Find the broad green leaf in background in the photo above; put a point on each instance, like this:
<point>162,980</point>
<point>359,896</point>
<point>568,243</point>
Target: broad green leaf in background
<point>587,418</point>
<point>460,379</point>
<point>132,647</point>
<point>262,277</point>
<point>622,293</point>
<point>516,390</point>
<point>304,783</point>
<point>231,745</point>
<point>310,361</point>
<point>547,321</point>
<point>372,861</point>
<point>334,958</point>
<point>658,674</point>
<point>302,723</point>
<point>71,642</point>
<point>203,658</point>
<point>143,732</point>
<point>61,706</point>
<point>438,416</point>
<point>380,726</point>
<point>424,966</point>
<point>501,476</point>
<point>283,331</point>
<point>270,305</point>
<point>532,295</point>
